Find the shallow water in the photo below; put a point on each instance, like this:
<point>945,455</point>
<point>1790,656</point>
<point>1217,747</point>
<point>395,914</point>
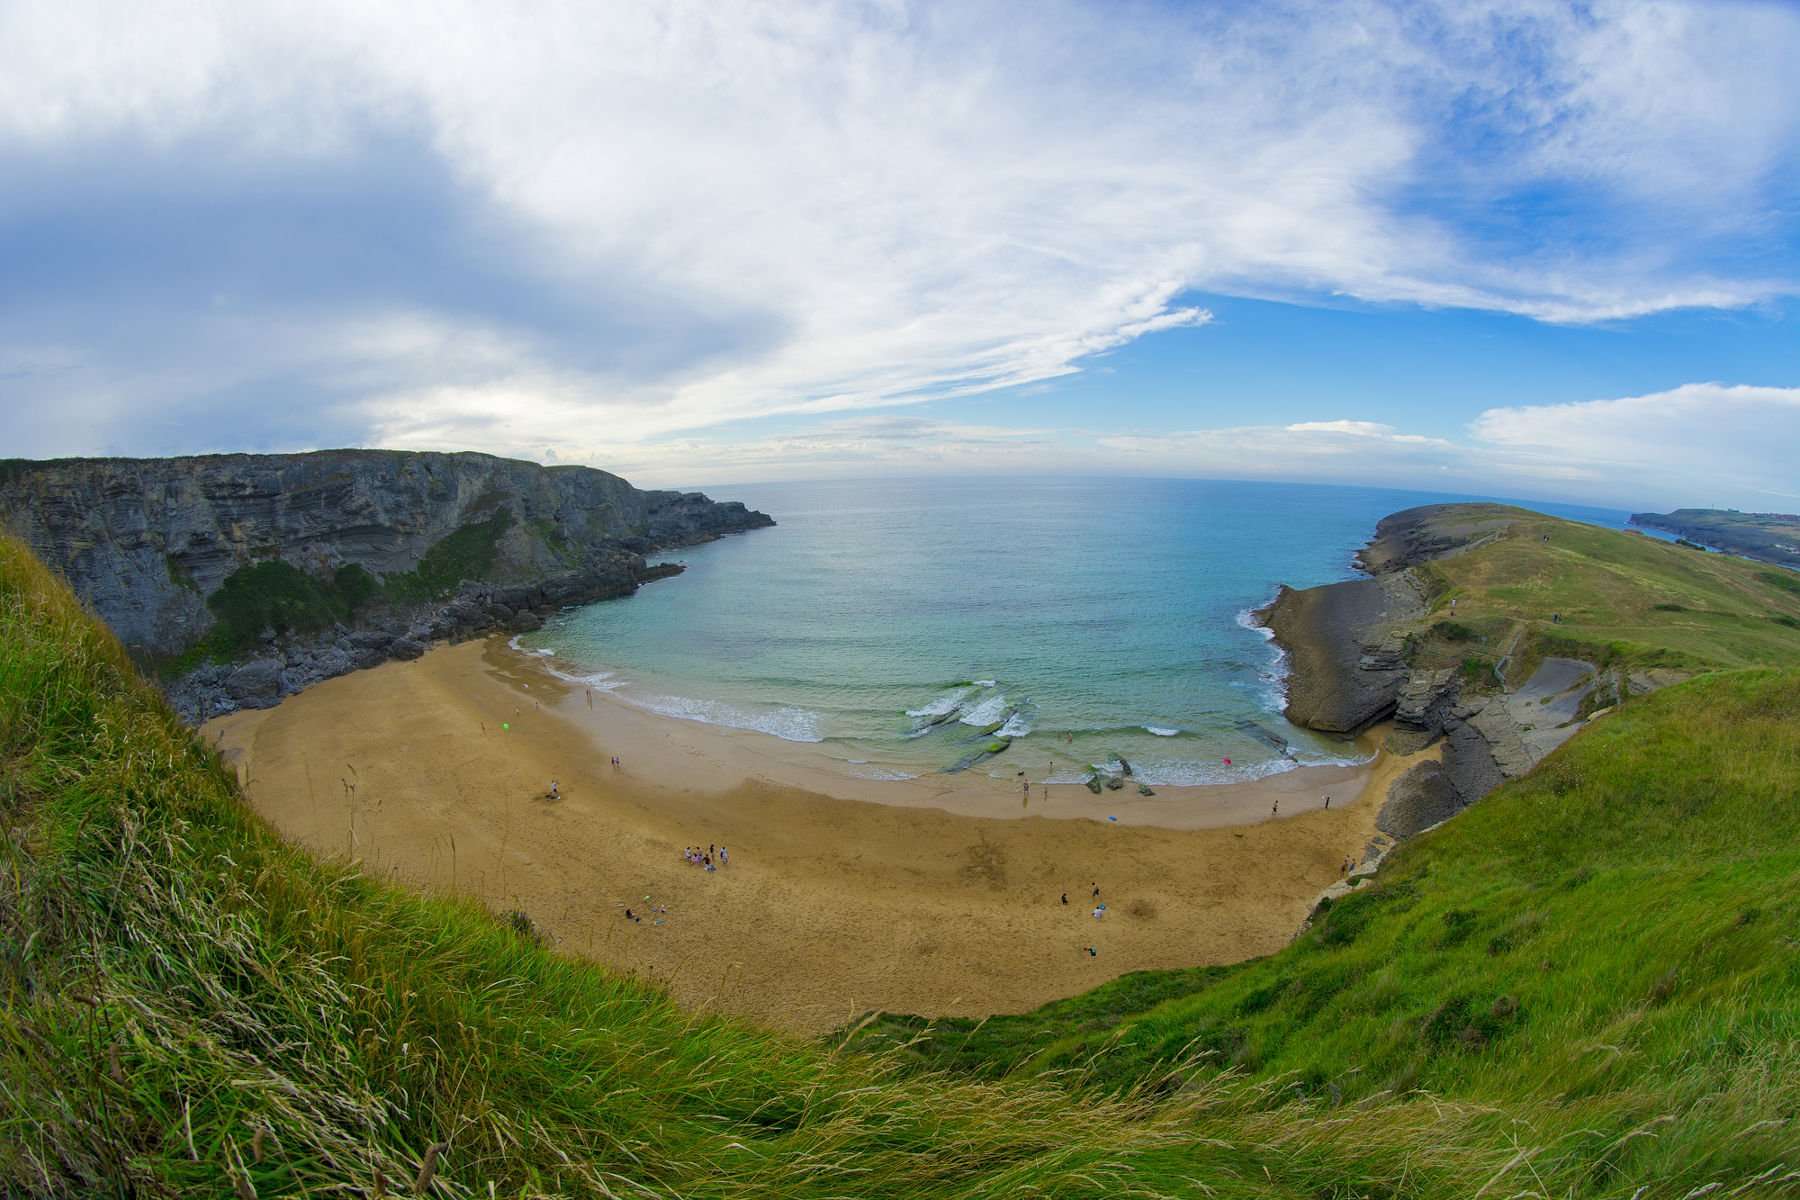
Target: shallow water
<point>902,625</point>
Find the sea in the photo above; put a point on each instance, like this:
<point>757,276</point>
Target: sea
<point>904,626</point>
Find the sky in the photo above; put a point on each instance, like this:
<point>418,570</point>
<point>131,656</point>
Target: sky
<point>1525,249</point>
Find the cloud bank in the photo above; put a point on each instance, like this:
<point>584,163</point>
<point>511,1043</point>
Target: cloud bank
<point>600,230</point>
<point>1700,444</point>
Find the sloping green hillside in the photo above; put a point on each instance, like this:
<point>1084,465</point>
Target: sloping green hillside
<point>1549,585</point>
<point>190,1007</point>
<point>1612,943</point>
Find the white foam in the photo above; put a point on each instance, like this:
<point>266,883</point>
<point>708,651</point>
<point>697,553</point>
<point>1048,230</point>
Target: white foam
<point>885,774</point>
<point>1191,773</point>
<point>942,706</point>
<point>987,712</point>
<point>1016,727</point>
<point>1159,731</point>
<point>600,681</point>
<point>1274,694</point>
<point>985,683</point>
<point>789,723</point>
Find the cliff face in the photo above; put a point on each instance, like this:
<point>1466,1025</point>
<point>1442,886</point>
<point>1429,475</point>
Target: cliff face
<point>148,544</point>
<point>1349,667</point>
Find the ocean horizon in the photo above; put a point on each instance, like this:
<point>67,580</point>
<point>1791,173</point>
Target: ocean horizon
<point>903,625</point>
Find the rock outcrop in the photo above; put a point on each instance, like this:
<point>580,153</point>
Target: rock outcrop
<point>448,545</point>
<point>1346,664</point>
<point>1347,648</point>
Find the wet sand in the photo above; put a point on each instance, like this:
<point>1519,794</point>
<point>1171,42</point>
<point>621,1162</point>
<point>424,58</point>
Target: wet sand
<point>939,895</point>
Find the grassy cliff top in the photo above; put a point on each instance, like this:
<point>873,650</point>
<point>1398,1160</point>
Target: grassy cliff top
<point>1531,584</point>
<point>190,1007</point>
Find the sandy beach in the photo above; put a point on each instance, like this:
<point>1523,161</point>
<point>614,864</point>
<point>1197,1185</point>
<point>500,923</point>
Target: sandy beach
<point>940,895</point>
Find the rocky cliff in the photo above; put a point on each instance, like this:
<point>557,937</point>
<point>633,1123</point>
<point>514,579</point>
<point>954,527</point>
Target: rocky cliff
<point>1350,667</point>
<point>247,576</point>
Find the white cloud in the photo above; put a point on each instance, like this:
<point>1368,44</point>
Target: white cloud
<point>857,205</point>
<point>1703,444</point>
<point>1701,439</point>
<point>1699,444</point>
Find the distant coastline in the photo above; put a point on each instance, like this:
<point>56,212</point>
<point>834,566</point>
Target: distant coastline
<point>1765,537</point>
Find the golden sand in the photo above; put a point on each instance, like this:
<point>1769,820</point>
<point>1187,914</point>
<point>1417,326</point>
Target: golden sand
<point>940,895</point>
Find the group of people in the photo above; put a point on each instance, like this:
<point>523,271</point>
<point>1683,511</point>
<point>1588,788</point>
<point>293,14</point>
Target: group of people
<point>711,858</point>
<point>653,910</point>
<point>1099,913</point>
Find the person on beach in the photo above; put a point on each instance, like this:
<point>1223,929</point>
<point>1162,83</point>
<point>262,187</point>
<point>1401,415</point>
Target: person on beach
<point>708,863</point>
<point>1275,808</point>
<point>1065,899</point>
<point>724,856</point>
<point>1096,891</point>
<point>555,791</point>
<point>1093,952</point>
<point>1328,804</point>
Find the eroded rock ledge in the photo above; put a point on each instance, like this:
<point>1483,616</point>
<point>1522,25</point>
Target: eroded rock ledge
<point>1348,669</point>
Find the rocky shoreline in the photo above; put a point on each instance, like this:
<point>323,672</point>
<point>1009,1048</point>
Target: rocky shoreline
<point>1346,647</point>
<point>290,664</point>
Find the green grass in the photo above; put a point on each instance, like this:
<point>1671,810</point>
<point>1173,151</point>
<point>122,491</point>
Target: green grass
<point>190,1007</point>
<point>467,553</point>
<point>1622,599</point>
<point>276,596</point>
<point>1612,943</point>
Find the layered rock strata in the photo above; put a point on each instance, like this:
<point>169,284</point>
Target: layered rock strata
<point>452,544</point>
<point>1348,669</point>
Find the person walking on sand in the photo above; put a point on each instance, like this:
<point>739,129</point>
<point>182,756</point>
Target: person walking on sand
<point>1275,808</point>
<point>1096,891</point>
<point>724,856</point>
<point>555,791</point>
<point>1065,899</point>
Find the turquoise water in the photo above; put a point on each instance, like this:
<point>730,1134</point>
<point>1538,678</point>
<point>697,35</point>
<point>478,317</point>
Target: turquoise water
<point>891,621</point>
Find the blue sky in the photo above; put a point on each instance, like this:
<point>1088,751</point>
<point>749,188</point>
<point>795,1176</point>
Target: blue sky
<point>1534,249</point>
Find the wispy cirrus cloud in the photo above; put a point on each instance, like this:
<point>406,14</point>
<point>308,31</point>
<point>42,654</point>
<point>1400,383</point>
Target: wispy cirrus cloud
<point>587,228</point>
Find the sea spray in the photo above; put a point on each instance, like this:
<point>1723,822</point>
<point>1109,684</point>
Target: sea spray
<point>988,711</point>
